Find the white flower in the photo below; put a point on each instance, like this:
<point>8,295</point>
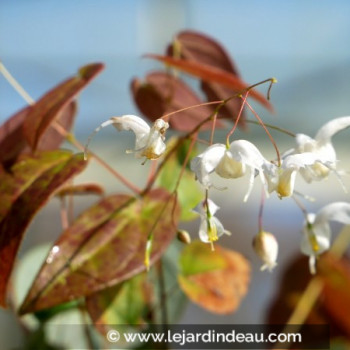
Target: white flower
<point>282,179</point>
<point>210,228</point>
<point>149,140</point>
<point>317,233</point>
<point>321,146</point>
<point>266,247</point>
<point>230,163</point>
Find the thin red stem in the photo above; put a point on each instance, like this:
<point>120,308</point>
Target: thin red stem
<point>267,132</point>
<point>237,119</point>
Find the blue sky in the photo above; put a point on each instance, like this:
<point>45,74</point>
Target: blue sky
<point>302,43</point>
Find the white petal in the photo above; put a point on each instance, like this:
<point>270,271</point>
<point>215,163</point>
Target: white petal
<point>203,230</point>
<point>300,160</point>
<point>152,145</point>
<point>271,174</point>
<point>212,207</point>
<point>201,208</point>
<point>229,168</point>
<point>206,162</point>
<point>304,143</point>
<point>326,132</point>
<point>286,182</point>
<point>251,183</point>
<point>219,227</point>
<point>135,124</point>
<point>247,153</point>
<point>338,211</point>
<point>322,235</point>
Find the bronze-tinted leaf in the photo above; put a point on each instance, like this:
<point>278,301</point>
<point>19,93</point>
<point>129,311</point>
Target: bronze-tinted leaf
<point>125,304</point>
<point>162,93</point>
<point>216,280</point>
<point>12,139</point>
<point>23,193</point>
<point>81,189</point>
<point>104,246</point>
<point>336,297</point>
<point>51,139</point>
<point>328,309</point>
<point>212,75</point>
<point>201,48</point>
<point>47,109</point>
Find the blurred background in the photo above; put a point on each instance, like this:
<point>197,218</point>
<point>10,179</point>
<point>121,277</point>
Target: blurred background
<point>304,44</point>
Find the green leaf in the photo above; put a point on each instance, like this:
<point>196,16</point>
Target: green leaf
<point>216,280</point>
<point>103,247</point>
<point>22,193</point>
<point>198,257</point>
<point>188,192</point>
<point>125,304</point>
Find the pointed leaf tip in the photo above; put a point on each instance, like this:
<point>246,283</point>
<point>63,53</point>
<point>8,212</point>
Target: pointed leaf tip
<point>103,247</point>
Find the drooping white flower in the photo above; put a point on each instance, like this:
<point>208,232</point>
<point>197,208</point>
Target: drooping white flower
<point>282,179</point>
<point>210,228</point>
<point>321,146</point>
<point>266,247</point>
<point>316,237</point>
<point>149,141</point>
<point>230,163</point>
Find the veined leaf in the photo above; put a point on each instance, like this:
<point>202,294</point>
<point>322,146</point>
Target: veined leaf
<point>81,189</point>
<point>47,109</point>
<point>125,304</point>
<point>103,247</point>
<point>162,93</point>
<point>22,194</point>
<point>211,74</point>
<point>216,280</point>
<point>201,48</point>
<point>13,142</point>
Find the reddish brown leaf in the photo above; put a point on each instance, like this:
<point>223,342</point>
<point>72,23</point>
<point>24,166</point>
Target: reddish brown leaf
<point>162,93</point>
<point>81,189</point>
<point>212,75</point>
<point>51,139</point>
<point>201,48</point>
<point>22,194</point>
<point>216,280</point>
<point>103,247</point>
<point>292,286</point>
<point>47,109</point>
<point>13,142</point>
<point>336,276</point>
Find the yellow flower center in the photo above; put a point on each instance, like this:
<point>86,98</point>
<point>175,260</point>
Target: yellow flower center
<point>212,231</point>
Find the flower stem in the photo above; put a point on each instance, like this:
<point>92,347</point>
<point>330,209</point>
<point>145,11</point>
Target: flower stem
<point>237,120</point>
<point>15,84</point>
<point>270,126</point>
<point>267,132</point>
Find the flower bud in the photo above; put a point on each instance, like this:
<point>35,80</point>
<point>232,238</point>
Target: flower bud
<point>266,247</point>
<point>183,236</point>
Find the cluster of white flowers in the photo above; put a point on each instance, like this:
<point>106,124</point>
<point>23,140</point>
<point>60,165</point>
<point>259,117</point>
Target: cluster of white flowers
<point>314,158</point>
